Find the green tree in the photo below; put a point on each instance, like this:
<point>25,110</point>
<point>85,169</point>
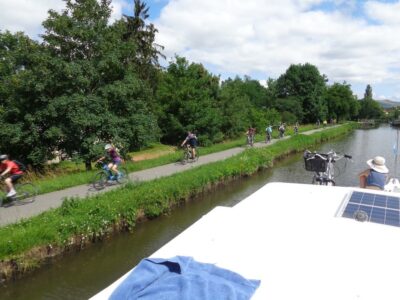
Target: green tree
<point>369,108</point>
<point>187,95</point>
<point>290,105</point>
<point>242,103</point>
<point>98,96</point>
<point>307,85</point>
<point>271,93</point>
<point>255,92</point>
<point>368,93</point>
<point>342,104</point>
<point>235,107</point>
<point>25,130</point>
<point>143,35</point>
<point>272,117</point>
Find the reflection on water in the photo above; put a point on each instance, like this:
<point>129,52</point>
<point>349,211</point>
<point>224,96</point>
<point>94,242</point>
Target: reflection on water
<point>81,275</point>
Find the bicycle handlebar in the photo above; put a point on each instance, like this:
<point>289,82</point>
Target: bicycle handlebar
<point>331,154</point>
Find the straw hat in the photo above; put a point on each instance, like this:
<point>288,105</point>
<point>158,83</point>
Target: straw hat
<point>378,164</point>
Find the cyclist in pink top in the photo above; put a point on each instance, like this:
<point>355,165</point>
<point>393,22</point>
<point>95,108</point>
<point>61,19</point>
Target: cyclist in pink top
<point>114,158</point>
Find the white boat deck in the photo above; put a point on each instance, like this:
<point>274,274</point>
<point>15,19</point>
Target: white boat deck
<point>291,238</point>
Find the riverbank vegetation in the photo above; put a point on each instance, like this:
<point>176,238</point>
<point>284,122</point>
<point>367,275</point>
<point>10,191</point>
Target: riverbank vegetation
<point>27,244</point>
<point>91,81</point>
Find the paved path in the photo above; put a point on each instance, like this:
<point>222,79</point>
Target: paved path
<point>45,202</point>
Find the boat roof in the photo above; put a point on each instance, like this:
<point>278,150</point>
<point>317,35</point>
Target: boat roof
<point>294,239</point>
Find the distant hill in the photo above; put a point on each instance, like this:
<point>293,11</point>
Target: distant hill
<point>386,104</point>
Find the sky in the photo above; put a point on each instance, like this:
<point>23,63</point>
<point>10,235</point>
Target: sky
<point>347,40</point>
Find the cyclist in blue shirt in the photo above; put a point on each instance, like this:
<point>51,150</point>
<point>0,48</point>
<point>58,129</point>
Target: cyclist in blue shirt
<point>268,132</point>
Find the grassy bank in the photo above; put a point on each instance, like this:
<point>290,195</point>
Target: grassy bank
<point>25,245</point>
<point>70,174</point>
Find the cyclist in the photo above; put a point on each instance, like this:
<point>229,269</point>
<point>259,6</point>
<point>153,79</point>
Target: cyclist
<point>250,135</point>
<point>114,158</point>
<point>191,141</point>
<point>281,130</point>
<point>296,128</point>
<point>268,132</point>
<point>7,166</point>
<point>375,177</point>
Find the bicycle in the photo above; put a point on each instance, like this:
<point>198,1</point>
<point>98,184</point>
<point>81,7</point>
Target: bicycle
<point>250,140</point>
<point>322,164</point>
<point>281,130</point>
<point>268,137</point>
<point>26,193</point>
<point>187,155</point>
<point>105,177</point>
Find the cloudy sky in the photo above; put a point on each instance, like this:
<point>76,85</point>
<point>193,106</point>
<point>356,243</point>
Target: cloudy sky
<point>348,40</point>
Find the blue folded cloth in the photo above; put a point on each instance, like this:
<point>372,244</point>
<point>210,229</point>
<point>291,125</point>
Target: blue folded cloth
<point>183,278</point>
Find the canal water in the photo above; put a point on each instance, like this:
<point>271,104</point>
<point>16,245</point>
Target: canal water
<point>81,275</point>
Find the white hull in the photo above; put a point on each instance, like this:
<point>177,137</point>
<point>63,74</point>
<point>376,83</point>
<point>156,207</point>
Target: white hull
<point>293,238</point>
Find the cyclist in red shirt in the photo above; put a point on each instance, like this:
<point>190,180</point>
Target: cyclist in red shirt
<point>9,167</point>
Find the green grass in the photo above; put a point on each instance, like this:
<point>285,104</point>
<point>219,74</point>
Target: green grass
<point>153,149</point>
<point>100,214</point>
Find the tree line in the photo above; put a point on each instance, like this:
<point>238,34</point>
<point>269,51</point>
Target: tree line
<point>90,81</point>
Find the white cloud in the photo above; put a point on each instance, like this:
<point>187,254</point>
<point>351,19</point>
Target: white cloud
<point>263,37</point>
<point>387,13</point>
<point>117,8</point>
<point>258,36</point>
<point>28,15</point>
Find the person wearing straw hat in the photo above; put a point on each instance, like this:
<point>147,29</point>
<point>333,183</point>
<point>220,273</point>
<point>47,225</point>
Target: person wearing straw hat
<point>375,177</point>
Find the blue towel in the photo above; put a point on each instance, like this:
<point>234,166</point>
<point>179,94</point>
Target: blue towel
<point>183,278</point>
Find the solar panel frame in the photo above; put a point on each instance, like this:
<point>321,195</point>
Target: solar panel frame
<point>371,207</point>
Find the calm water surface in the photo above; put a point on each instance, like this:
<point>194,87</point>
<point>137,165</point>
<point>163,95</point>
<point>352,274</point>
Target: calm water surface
<point>81,275</point>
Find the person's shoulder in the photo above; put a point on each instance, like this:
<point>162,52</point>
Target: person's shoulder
<point>365,172</point>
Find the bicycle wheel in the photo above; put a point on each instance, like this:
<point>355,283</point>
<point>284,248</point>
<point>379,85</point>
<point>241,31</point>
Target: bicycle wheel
<point>26,193</point>
<point>100,180</point>
<point>318,180</point>
<point>124,176</point>
<point>185,158</point>
<point>330,182</point>
<point>3,197</point>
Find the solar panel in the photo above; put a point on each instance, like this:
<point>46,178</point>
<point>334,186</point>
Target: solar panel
<point>374,208</point>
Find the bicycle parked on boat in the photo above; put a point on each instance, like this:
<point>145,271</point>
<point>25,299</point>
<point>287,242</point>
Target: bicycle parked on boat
<point>322,164</point>
<point>25,193</point>
<point>105,177</point>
